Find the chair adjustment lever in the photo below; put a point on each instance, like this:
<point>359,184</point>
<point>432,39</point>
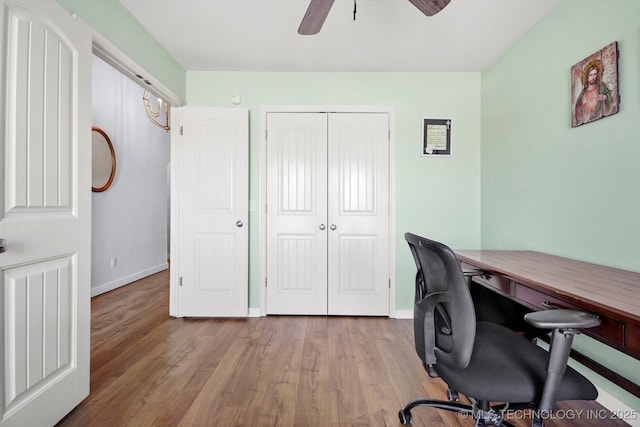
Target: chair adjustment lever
<point>473,273</point>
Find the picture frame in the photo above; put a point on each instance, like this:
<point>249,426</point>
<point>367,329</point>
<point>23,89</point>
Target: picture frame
<point>436,137</point>
<point>594,86</point>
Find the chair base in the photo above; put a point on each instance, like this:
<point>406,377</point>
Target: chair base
<point>484,414</point>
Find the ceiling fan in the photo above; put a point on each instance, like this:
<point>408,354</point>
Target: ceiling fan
<point>319,9</point>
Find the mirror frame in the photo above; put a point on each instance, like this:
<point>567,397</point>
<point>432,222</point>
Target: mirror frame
<point>104,135</point>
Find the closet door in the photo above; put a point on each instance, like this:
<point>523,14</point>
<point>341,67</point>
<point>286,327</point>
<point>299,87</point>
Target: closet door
<point>358,214</point>
<point>296,213</point>
<point>327,213</point>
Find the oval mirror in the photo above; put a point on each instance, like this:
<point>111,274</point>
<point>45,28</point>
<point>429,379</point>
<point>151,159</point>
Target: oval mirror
<point>103,165</point>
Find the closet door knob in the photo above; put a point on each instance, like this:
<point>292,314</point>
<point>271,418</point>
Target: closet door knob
<point>3,246</point>
<point>322,227</point>
<point>333,226</point>
<point>239,223</point>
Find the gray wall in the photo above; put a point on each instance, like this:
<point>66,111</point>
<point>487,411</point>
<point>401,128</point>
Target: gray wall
<point>130,219</point>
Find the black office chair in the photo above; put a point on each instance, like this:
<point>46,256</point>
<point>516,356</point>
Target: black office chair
<point>487,362</point>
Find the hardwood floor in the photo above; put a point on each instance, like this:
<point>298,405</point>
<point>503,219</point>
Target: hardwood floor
<point>148,369</point>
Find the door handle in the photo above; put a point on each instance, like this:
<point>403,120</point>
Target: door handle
<point>3,246</point>
<point>322,227</point>
<point>333,226</point>
<point>239,223</point>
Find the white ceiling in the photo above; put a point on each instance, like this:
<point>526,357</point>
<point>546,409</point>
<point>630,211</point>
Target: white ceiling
<point>387,35</point>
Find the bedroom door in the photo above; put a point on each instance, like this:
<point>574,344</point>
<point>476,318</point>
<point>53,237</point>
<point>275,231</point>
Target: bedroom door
<point>45,212</point>
<point>327,213</point>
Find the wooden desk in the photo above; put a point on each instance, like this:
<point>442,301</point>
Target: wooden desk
<point>540,281</point>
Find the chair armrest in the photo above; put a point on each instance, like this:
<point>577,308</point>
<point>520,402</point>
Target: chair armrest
<point>565,324</point>
<point>562,319</point>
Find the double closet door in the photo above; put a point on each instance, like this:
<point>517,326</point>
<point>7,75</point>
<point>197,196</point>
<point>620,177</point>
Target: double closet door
<point>327,213</point>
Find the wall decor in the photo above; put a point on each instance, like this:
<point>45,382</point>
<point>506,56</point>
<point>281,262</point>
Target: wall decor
<point>436,137</point>
<point>154,114</point>
<point>594,86</point>
<point>103,160</point>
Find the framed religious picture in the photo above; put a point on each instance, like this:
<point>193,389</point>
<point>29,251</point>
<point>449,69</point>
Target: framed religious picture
<point>436,137</point>
<point>594,86</point>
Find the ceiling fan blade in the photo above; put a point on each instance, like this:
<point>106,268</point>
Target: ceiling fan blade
<point>314,18</point>
<point>430,7</point>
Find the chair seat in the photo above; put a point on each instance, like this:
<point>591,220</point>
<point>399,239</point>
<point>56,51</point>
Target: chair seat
<point>516,373</point>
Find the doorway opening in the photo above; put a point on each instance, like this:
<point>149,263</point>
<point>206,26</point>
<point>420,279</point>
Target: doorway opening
<point>130,219</point>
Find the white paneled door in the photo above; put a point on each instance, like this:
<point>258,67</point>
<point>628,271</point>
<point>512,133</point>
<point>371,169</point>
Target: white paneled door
<point>45,215</point>
<point>213,214</point>
<point>296,213</point>
<point>358,214</point>
<point>328,213</point>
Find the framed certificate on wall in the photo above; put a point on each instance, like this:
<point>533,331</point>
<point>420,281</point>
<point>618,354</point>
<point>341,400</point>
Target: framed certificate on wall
<point>436,137</point>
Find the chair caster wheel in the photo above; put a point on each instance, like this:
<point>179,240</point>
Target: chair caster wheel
<point>405,417</point>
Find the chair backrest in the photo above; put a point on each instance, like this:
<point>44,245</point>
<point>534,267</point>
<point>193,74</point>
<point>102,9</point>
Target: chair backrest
<point>444,317</point>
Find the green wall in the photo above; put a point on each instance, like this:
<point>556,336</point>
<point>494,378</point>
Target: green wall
<point>573,192</point>
<point>545,185</point>
<point>436,197</point>
<point>115,23</point>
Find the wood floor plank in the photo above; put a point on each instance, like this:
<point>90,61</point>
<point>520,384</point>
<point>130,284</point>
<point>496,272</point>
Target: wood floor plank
<point>148,369</point>
<point>314,394</point>
<point>348,398</point>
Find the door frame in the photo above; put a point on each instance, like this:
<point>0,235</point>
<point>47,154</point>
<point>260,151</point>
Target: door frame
<point>262,221</point>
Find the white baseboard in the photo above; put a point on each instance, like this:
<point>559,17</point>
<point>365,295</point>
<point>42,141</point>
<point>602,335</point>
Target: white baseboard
<point>404,314</point>
<point>106,287</point>
<point>254,312</point>
<point>620,409</point>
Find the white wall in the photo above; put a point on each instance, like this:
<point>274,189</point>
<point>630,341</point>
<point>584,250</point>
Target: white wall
<point>130,219</point>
